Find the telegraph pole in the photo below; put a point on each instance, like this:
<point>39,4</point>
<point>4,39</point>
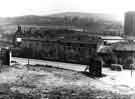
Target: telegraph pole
<point>131,65</point>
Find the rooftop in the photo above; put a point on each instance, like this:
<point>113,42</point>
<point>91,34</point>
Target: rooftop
<point>124,46</point>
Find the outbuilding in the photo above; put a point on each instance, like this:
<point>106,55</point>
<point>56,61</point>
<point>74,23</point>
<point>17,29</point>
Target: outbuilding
<point>125,52</point>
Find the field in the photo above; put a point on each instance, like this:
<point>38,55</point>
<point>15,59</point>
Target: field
<point>47,81</point>
<point>35,81</point>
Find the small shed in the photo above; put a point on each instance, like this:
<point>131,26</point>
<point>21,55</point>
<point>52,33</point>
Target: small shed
<point>125,52</point>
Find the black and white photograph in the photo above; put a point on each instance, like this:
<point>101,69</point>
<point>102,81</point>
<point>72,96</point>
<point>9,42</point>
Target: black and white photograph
<point>67,49</point>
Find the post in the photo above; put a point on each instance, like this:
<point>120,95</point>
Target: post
<point>129,42</point>
<point>10,57</point>
<point>28,61</point>
<point>131,70</point>
<point>29,54</point>
<point>132,65</point>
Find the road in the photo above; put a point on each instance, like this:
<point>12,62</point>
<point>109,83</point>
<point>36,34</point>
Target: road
<point>76,67</point>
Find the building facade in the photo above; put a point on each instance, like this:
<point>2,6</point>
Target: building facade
<point>129,24</point>
<point>125,52</point>
<point>67,48</point>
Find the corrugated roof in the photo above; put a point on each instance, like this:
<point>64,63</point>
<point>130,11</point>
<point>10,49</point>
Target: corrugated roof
<point>124,46</point>
<point>112,39</point>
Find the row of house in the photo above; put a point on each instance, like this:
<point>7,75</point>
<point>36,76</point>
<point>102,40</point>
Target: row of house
<point>68,47</point>
<point>71,47</point>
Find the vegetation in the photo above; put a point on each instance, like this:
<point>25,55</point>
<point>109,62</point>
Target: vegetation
<point>90,22</point>
<point>39,81</point>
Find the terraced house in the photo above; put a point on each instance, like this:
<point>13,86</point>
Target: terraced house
<point>56,44</point>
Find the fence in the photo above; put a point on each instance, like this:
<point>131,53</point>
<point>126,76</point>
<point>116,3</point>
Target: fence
<point>86,97</point>
<point>46,96</point>
<point>67,97</point>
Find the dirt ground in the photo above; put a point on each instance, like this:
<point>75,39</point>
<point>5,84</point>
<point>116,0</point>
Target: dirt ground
<point>37,80</point>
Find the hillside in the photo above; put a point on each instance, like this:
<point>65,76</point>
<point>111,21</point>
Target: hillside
<point>95,16</point>
<point>91,22</point>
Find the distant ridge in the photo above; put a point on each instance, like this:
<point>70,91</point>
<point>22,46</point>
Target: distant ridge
<point>96,16</point>
<point>92,22</point>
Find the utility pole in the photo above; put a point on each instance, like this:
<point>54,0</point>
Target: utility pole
<point>28,61</point>
<point>132,64</point>
<point>29,55</point>
<point>132,57</point>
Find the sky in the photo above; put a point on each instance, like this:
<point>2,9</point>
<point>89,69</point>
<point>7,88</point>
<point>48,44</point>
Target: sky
<point>11,8</point>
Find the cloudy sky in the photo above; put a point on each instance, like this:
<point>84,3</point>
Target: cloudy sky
<point>45,7</point>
